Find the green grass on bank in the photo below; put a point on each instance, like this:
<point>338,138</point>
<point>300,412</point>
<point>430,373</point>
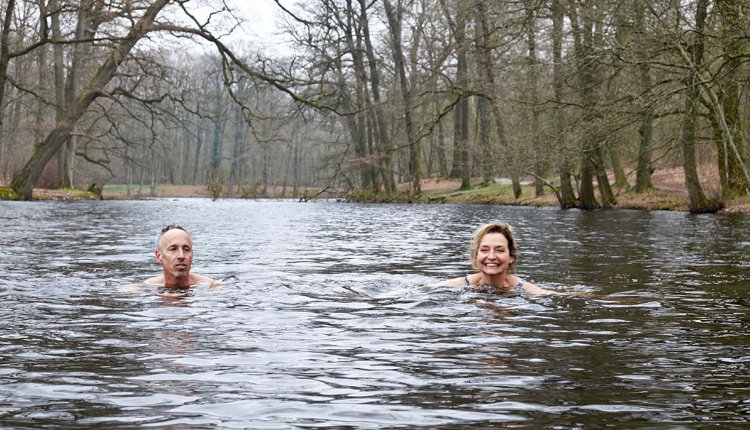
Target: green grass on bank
<point>7,193</point>
<point>78,193</point>
<point>118,187</point>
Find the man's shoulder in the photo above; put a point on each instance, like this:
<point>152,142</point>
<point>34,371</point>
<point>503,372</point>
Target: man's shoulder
<point>201,279</point>
<point>156,280</point>
<point>195,278</point>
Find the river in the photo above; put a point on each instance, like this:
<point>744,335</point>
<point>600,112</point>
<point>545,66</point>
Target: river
<point>325,321</point>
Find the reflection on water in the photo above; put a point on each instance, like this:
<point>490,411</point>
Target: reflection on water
<point>324,320</point>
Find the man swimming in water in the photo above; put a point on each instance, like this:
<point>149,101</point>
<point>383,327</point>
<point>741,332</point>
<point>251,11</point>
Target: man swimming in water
<point>174,251</point>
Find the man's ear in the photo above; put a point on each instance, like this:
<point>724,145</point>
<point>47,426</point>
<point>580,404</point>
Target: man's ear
<point>157,256</point>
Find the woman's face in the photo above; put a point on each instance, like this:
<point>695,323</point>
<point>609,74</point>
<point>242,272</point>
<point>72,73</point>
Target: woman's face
<point>493,254</point>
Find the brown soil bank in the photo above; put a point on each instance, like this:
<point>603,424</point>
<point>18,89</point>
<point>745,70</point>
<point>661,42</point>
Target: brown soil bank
<point>202,191</point>
<point>669,193</point>
<point>655,199</point>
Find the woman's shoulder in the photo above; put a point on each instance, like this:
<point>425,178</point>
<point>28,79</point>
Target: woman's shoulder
<point>455,282</point>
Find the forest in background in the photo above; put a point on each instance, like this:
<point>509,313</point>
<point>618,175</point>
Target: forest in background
<point>373,97</point>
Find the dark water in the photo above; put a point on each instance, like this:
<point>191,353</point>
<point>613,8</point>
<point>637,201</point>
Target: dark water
<point>324,321</point>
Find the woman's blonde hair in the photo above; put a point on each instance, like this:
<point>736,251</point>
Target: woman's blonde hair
<point>493,227</point>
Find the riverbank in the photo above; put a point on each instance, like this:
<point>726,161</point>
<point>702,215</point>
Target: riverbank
<point>669,194</point>
<point>669,199</point>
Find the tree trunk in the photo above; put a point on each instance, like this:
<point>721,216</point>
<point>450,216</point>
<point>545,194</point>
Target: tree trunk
<point>128,172</point>
<point>483,106</point>
<point>265,169</point>
<point>142,176</point>
<point>621,180</point>
<point>4,62</point>
<point>296,173</point>
<point>646,126</point>
<point>489,77</point>
<point>605,189</point>
<point>732,25</point>
<point>586,192</point>
<point>59,73</point>
<point>567,194</point>
<point>461,161</point>
<point>357,123</point>
<point>199,131</point>
<point>186,139</point>
<point>287,166</point>
<point>42,77</point>
<point>218,123</point>
<point>385,149</point>
<point>583,39</point>
<point>394,23</point>
<point>533,97</point>
<point>718,116</point>
<point>698,200</point>
<point>485,147</point>
<point>66,161</point>
<point>457,166</point>
<point>441,155</point>
<point>154,164</point>
<point>517,191</point>
<point>722,154</point>
<point>645,169</point>
<point>237,150</point>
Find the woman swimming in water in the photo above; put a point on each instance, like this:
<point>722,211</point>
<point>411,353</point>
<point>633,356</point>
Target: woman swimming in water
<point>494,254</point>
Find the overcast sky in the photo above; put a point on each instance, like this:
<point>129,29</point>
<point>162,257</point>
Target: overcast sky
<point>259,30</point>
<point>261,17</point>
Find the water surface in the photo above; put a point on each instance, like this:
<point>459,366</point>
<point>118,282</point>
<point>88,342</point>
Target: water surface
<point>325,321</point>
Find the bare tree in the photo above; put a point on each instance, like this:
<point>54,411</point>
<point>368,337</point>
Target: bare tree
<point>698,200</point>
<point>461,160</point>
<point>395,22</point>
<point>24,181</point>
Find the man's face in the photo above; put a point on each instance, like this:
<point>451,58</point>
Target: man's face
<point>176,253</point>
